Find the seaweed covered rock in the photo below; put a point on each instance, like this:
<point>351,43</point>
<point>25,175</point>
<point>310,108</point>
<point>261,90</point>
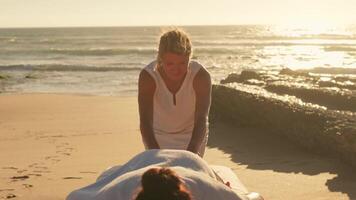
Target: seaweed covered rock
<point>239,78</point>
<point>332,99</point>
<point>287,71</point>
<point>344,85</point>
<point>231,78</point>
<point>311,126</point>
<point>4,76</point>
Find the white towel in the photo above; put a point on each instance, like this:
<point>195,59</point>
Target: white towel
<point>122,183</point>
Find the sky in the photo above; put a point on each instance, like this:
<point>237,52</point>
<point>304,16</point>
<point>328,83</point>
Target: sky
<point>67,13</point>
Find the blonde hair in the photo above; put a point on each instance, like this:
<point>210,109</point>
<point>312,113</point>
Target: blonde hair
<point>176,41</point>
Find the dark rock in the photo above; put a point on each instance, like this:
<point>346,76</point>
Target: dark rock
<point>287,71</point>
<point>30,76</point>
<point>244,76</point>
<point>4,76</point>
<point>231,78</point>
<point>332,99</point>
<point>328,132</point>
<point>327,84</point>
<point>336,84</point>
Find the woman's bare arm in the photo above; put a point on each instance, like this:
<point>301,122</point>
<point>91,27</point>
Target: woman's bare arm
<point>202,87</point>
<point>146,89</point>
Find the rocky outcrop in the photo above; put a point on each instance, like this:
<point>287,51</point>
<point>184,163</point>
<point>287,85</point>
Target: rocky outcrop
<point>240,78</point>
<point>336,100</point>
<point>333,92</point>
<point>311,126</point>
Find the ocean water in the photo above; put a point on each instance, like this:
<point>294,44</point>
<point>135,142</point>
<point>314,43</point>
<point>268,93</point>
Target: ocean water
<point>107,60</point>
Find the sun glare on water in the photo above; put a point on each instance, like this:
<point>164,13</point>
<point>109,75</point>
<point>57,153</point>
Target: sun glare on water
<point>309,45</point>
<point>311,29</point>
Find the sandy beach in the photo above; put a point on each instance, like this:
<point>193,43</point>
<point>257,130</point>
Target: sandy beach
<point>52,144</point>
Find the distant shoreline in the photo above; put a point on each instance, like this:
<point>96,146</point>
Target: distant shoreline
<point>141,26</point>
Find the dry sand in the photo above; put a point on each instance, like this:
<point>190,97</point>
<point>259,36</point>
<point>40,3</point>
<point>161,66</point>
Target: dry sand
<point>52,144</point>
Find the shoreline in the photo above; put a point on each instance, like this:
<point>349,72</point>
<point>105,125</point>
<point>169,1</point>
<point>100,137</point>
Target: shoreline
<point>60,142</point>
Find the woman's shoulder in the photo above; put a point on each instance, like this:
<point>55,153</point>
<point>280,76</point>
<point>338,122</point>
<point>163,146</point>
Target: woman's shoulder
<point>146,78</point>
<point>199,68</point>
<point>147,72</point>
<point>195,63</point>
<point>150,66</point>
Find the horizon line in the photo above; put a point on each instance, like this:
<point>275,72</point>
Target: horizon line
<point>163,25</point>
<point>124,26</point>
<point>128,26</point>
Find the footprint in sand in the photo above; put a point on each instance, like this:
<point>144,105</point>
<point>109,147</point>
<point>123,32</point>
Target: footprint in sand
<point>10,196</point>
<point>69,148</point>
<point>32,165</point>
<point>18,171</point>
<point>37,165</point>
<point>41,171</point>
<point>21,171</point>
<point>38,168</point>
<point>27,185</point>
<point>41,167</point>
<point>34,174</point>
<point>50,157</point>
<point>88,172</point>
<point>6,190</point>
<point>20,177</point>
<point>63,149</point>
<point>14,168</point>
<point>72,177</point>
<point>55,160</point>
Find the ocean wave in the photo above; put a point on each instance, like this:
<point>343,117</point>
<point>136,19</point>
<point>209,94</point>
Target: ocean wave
<point>243,47</point>
<point>330,70</point>
<point>214,50</point>
<point>92,42</point>
<point>8,39</point>
<point>61,67</point>
<point>297,37</point>
<point>101,52</point>
<point>340,48</point>
<point>243,43</point>
<point>81,52</point>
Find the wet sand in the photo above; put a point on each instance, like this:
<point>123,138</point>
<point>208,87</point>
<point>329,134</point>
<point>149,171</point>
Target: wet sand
<point>52,144</point>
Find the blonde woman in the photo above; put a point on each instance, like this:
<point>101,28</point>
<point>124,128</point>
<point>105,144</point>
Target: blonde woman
<point>174,97</point>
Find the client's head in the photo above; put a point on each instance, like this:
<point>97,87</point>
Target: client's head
<point>162,184</point>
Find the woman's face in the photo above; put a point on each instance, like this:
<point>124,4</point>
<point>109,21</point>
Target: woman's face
<point>175,65</point>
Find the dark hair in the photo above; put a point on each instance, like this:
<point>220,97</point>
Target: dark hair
<point>162,184</point>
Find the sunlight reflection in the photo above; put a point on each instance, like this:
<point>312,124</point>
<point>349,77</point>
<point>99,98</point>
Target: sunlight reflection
<point>302,57</point>
<point>311,29</point>
<point>309,45</point>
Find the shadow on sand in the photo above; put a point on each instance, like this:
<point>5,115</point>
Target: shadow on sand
<point>262,151</point>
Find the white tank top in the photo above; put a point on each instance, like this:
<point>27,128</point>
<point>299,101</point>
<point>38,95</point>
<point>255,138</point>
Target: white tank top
<point>167,116</point>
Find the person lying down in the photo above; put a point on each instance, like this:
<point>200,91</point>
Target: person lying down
<point>160,174</point>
